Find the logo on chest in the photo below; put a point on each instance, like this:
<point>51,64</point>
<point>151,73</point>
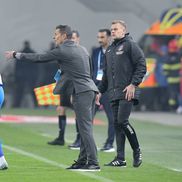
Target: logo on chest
<point>120,50</point>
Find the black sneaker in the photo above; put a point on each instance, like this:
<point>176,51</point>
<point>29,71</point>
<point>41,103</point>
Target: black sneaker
<point>75,145</point>
<point>77,165</point>
<point>137,158</point>
<point>117,163</point>
<point>107,148</point>
<point>56,141</point>
<point>90,167</point>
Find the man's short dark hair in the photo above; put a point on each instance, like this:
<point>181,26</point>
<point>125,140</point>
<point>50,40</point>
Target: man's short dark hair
<point>76,32</point>
<point>108,32</point>
<point>65,29</point>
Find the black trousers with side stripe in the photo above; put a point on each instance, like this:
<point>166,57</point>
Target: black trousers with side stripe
<point>121,111</point>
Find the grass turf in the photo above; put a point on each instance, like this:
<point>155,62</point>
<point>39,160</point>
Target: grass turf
<point>161,148</point>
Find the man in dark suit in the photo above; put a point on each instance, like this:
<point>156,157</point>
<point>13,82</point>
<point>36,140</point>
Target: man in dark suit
<point>98,62</point>
<point>74,62</point>
<point>65,102</point>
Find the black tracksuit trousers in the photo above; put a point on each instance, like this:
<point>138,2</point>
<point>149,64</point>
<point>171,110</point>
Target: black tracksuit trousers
<point>121,111</point>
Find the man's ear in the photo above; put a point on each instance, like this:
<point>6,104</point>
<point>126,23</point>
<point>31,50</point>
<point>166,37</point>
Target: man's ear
<point>64,36</point>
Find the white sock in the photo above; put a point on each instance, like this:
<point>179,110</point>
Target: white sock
<point>3,161</point>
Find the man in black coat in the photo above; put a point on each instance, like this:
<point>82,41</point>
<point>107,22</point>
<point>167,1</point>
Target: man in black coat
<point>124,71</point>
<point>74,62</point>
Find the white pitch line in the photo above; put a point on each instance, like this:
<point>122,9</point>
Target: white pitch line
<point>176,170</point>
<point>53,163</point>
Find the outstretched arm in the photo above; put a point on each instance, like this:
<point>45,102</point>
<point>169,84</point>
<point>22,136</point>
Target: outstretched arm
<point>33,57</point>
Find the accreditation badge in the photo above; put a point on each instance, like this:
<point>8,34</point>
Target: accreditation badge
<point>57,76</point>
<point>99,75</point>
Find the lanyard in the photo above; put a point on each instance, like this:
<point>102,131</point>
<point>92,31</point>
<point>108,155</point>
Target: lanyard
<point>99,59</point>
<point>1,82</point>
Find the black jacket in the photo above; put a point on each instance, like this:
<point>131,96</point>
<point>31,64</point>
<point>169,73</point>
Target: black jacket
<point>125,65</point>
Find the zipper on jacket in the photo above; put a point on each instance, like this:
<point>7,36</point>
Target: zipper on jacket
<point>113,68</point>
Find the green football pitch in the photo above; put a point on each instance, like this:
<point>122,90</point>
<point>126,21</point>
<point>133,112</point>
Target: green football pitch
<point>32,160</point>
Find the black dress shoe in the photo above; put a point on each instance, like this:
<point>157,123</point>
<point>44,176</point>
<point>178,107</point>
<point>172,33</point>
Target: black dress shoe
<point>90,167</point>
<point>117,163</point>
<point>107,148</point>
<point>75,145</point>
<point>76,165</point>
<point>57,141</point>
<point>137,158</point>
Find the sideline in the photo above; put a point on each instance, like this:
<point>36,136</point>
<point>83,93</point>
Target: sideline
<point>53,163</point>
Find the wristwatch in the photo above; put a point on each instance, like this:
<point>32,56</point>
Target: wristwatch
<point>14,54</point>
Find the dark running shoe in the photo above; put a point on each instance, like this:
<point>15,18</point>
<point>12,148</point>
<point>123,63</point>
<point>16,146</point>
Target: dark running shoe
<point>107,148</point>
<point>137,158</point>
<point>75,145</point>
<point>90,167</point>
<point>76,165</point>
<point>56,141</point>
<point>117,163</point>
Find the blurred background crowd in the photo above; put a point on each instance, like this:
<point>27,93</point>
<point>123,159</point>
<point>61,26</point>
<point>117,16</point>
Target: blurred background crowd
<point>162,89</point>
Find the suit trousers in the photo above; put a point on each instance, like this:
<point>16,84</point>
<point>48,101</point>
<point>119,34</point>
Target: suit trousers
<point>107,108</point>
<point>84,107</point>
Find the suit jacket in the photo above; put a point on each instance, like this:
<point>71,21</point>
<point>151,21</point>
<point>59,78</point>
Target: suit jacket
<point>63,86</point>
<point>95,60</point>
<point>73,61</point>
